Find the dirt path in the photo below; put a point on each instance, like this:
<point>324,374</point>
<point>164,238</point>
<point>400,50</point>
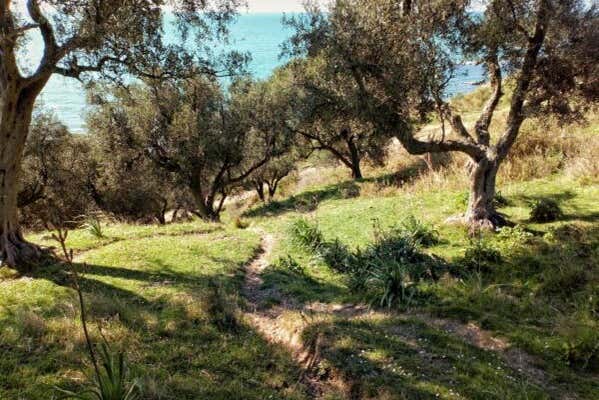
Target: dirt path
<point>270,321</point>
<point>267,320</point>
<point>274,316</point>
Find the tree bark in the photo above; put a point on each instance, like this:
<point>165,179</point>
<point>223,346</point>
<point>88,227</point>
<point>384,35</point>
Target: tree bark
<point>272,189</point>
<point>260,190</point>
<point>481,213</point>
<point>354,155</point>
<point>204,203</point>
<point>16,107</point>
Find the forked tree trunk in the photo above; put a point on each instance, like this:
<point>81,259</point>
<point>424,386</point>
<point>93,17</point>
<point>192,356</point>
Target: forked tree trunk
<point>356,171</point>
<point>272,189</point>
<point>16,108</point>
<point>260,190</point>
<point>481,212</point>
<point>205,205</point>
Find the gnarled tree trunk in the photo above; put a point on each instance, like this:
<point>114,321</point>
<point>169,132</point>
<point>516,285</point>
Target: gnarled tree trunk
<point>204,202</point>
<point>16,107</point>
<point>481,212</point>
<point>354,155</point>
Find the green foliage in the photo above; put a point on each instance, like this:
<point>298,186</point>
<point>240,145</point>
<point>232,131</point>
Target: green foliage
<point>306,234</point>
<point>545,210</point>
<point>387,270</point>
<point>336,255</point>
<point>239,223</point>
<point>564,282</point>
<point>420,232</point>
<point>111,380</point>
<point>93,226</point>
<point>392,281</point>
<point>221,308</point>
<point>514,236</point>
<point>581,346</point>
<point>288,263</point>
<point>55,170</point>
<point>480,256</point>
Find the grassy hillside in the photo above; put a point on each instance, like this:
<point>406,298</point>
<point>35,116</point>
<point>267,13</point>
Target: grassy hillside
<point>512,315</point>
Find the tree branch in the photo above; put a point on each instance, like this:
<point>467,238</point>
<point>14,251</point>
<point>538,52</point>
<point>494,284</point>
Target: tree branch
<point>515,116</point>
<point>47,31</point>
<point>482,125</point>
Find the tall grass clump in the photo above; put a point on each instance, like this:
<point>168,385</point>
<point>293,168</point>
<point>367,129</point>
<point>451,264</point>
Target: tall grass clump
<point>394,267</point>
<point>305,234</point>
<point>420,232</point>
<point>93,226</point>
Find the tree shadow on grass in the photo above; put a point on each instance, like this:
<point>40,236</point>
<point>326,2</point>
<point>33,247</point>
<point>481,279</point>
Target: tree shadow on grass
<point>540,297</point>
<point>401,177</point>
<point>306,201</point>
<point>400,358</point>
<point>179,330</point>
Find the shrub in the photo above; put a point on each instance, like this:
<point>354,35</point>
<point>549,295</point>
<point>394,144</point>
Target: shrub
<point>514,236</point>
<point>545,210</point>
<point>306,234</point>
<point>290,264</point>
<point>394,283</point>
<point>567,232</point>
<point>565,282</point>
<point>336,255</point>
<point>349,190</point>
<point>240,223</point>
<point>581,343</point>
<point>390,268</point>
<point>221,309</point>
<point>480,256</point>
<point>419,231</point>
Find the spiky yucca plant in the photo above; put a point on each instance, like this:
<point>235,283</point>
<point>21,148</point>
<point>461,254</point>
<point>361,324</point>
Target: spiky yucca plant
<point>110,368</point>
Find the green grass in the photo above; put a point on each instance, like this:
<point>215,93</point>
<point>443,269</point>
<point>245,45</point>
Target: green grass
<point>156,297</point>
<point>542,297</point>
<point>81,239</point>
<point>170,296</point>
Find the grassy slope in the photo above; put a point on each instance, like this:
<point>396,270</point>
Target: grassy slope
<point>166,299</point>
<point>168,295</point>
<point>529,298</point>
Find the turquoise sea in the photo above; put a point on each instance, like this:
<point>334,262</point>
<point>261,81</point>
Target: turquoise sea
<point>259,34</point>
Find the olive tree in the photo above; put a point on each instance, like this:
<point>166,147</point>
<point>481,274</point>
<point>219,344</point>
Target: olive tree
<point>56,169</point>
<point>79,37</point>
<point>270,175</point>
<point>207,139</point>
<point>402,54</point>
<point>326,106</point>
<point>124,182</point>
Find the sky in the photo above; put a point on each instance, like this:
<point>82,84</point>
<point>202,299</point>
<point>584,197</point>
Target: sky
<point>279,6</point>
<point>274,6</point>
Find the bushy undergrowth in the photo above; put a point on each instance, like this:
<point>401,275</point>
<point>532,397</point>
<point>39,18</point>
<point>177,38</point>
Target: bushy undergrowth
<point>387,271</point>
<point>305,234</point>
<point>420,232</point>
<point>545,210</point>
<point>480,257</point>
<point>290,264</point>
